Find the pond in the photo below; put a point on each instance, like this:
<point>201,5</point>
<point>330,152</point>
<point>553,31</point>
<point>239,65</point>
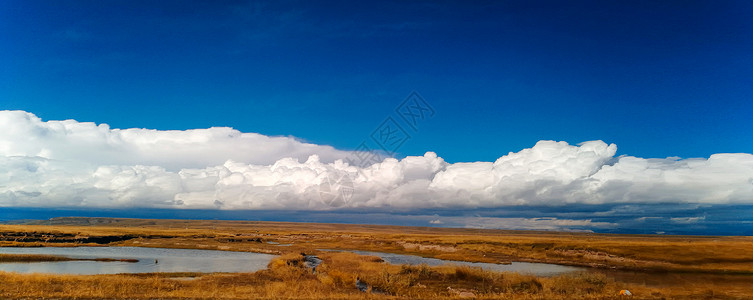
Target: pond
<point>150,260</point>
<point>538,269</point>
<point>628,278</point>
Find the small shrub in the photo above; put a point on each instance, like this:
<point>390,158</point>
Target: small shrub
<point>469,273</point>
<point>530,286</point>
<point>423,271</point>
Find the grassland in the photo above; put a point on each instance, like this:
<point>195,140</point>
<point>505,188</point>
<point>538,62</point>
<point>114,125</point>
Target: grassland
<point>335,278</point>
<point>4,258</point>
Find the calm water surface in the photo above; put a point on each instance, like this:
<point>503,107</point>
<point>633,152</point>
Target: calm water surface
<point>538,269</point>
<point>629,278</point>
<point>150,260</point>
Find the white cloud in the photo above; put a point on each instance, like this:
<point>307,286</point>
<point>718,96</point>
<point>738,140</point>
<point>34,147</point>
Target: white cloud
<point>69,163</point>
<point>26,135</point>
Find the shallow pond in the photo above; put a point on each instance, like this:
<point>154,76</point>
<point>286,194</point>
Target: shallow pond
<point>626,278</point>
<point>150,260</point>
<point>538,269</point>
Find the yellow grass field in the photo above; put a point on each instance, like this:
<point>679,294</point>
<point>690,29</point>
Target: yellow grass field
<point>670,267</point>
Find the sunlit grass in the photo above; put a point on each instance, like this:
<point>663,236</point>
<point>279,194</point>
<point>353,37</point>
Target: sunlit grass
<point>31,258</point>
<point>335,278</point>
<point>286,277</point>
<point>639,252</point>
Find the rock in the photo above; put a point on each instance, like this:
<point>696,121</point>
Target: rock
<point>311,261</point>
<point>362,286</point>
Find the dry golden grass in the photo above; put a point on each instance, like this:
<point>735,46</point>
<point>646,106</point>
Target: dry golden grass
<point>638,252</point>
<point>335,278</point>
<point>632,252</point>
<point>31,258</point>
<point>286,277</point>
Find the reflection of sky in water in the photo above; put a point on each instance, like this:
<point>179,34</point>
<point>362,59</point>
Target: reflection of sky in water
<point>538,269</point>
<point>169,260</point>
<point>629,277</point>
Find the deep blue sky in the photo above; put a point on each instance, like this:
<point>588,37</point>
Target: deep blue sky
<point>658,79</point>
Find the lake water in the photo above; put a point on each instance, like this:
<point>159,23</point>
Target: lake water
<point>538,269</point>
<point>208,261</point>
<point>167,260</point>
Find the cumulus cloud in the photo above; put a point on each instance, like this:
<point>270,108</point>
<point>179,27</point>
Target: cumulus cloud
<point>70,163</point>
<point>26,135</point>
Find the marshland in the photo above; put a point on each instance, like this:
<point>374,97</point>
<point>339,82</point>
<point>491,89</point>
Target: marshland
<point>650,267</point>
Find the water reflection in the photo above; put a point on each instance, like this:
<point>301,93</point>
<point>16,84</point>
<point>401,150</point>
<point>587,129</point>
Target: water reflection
<point>538,269</point>
<point>150,260</point>
<point>631,278</point>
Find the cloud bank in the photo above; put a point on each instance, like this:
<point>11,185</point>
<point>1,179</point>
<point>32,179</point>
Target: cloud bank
<point>76,164</point>
<point>26,135</point>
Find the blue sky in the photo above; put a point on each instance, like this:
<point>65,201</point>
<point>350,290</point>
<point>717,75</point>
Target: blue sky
<point>657,79</point>
<point>573,115</point>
